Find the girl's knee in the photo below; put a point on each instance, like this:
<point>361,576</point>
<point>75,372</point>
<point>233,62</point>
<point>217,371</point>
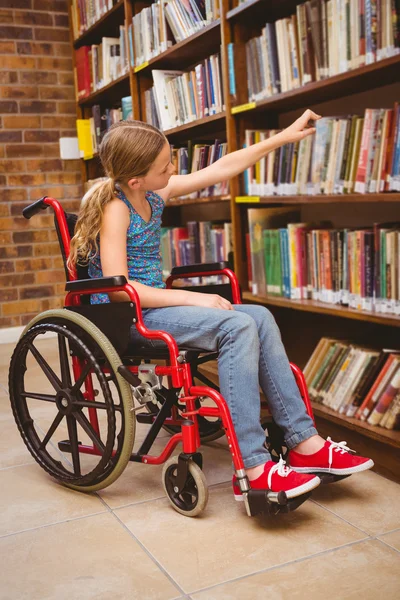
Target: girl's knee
<point>242,322</point>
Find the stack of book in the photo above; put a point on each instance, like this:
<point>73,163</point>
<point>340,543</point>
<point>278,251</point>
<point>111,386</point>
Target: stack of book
<point>198,156</point>
<point>100,64</point>
<point>324,38</point>
<point>181,97</point>
<point>85,13</point>
<point>347,154</point>
<point>90,131</point>
<point>155,27</point>
<point>197,243</point>
<point>358,268</point>
<point>356,382</point>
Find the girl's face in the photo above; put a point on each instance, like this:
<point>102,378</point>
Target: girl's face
<point>160,171</point>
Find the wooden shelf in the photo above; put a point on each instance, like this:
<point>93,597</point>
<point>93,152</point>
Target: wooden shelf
<point>262,11</point>
<point>103,27</point>
<point>379,434</point>
<point>112,92</point>
<point>328,199</point>
<point>205,200</point>
<point>323,308</point>
<point>202,126</point>
<point>375,75</point>
<point>188,52</point>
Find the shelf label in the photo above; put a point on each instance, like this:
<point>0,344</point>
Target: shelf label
<point>240,199</point>
<point>142,66</point>
<point>243,107</point>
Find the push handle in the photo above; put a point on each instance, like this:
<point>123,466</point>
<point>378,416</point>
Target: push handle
<point>33,209</point>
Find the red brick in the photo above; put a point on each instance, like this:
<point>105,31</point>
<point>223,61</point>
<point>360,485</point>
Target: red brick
<point>36,106</point>
<point>58,122</point>
<point>18,150</point>
<point>68,133</point>
<point>38,76</point>
<point>72,165</point>
<point>66,108</point>
<point>12,166</point>
<point>42,291</point>
<point>61,21</point>
<point>16,280</point>
<point>4,209</point>
<point>32,264</point>
<point>8,32</point>
<point>11,223</point>
<point>8,295</point>
<point>11,321</point>
<point>62,50</point>
<point>61,64</point>
<point>57,93</point>
<point>19,91</point>
<point>51,303</point>
<point>18,62</point>
<point>51,150</point>
<point>50,276</point>
<point>65,178</point>
<point>73,191</point>
<point>18,180</point>
<point>21,122</point>
<point>8,76</point>
<point>56,192</point>
<point>8,106</point>
<point>21,306</point>
<point>2,152</point>
<point>24,237</point>
<point>5,238</point>
<point>46,249</point>
<point>44,165</point>
<point>15,251</point>
<point>56,35</point>
<point>13,195</point>
<point>6,16</point>
<point>17,3</point>
<point>3,180</point>
<point>32,18</point>
<point>66,78</point>
<point>6,266</point>
<point>34,48</point>
<point>60,6</point>
<point>10,136</point>
<point>41,136</point>
<point>7,47</point>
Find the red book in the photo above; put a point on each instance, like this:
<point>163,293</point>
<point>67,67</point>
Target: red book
<point>368,402</point>
<point>391,147</point>
<point>386,150</point>
<point>179,233</point>
<point>363,157</point>
<point>83,71</point>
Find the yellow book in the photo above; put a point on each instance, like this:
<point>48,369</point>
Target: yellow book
<point>84,138</point>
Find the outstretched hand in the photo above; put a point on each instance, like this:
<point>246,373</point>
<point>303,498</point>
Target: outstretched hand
<point>301,128</point>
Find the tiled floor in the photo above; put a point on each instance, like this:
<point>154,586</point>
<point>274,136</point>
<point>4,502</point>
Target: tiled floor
<point>126,542</point>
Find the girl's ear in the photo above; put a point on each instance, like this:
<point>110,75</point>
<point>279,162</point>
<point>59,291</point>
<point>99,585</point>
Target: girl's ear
<point>134,184</point>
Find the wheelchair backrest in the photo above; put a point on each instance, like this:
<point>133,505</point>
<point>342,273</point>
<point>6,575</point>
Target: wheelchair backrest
<point>81,270</point>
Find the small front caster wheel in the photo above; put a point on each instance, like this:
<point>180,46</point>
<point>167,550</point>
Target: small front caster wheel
<point>192,500</point>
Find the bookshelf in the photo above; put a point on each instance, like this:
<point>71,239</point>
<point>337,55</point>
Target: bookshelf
<point>373,85</point>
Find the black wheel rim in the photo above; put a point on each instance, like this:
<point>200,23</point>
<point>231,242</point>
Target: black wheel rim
<point>187,499</point>
<point>71,405</point>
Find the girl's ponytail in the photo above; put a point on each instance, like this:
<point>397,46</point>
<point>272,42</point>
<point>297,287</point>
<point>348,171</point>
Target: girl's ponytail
<point>84,243</point>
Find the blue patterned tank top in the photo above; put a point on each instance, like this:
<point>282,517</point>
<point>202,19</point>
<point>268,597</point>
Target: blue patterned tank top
<point>142,247</point>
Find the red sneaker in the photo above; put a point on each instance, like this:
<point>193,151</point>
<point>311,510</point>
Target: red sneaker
<point>335,458</point>
<point>279,478</point>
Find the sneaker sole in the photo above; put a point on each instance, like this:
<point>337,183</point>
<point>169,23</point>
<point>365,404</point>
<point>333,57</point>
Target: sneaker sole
<point>349,471</point>
<point>302,489</point>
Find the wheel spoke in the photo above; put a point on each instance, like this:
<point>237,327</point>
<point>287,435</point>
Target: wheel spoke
<point>35,396</point>
<point>82,377</point>
<point>87,427</point>
<point>47,370</point>
<point>50,432</point>
<point>64,361</point>
<point>93,404</point>
<point>73,438</point>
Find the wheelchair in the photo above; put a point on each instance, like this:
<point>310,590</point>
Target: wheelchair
<point>96,385</point>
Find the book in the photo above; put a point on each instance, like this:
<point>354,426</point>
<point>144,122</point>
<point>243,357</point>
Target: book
<point>385,399</point>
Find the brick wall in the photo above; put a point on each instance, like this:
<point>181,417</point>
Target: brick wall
<point>37,107</point>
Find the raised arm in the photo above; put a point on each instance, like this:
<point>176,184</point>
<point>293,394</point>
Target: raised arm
<point>236,162</point>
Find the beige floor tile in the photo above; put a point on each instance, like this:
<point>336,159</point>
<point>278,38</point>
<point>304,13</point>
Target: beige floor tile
<point>224,543</point>
<point>392,538</point>
<point>30,499</point>
<point>366,500</point>
<point>91,558</point>
<point>13,451</point>
<point>361,570</point>
<point>140,482</point>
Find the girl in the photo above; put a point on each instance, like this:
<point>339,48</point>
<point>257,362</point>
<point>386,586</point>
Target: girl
<point>118,231</point>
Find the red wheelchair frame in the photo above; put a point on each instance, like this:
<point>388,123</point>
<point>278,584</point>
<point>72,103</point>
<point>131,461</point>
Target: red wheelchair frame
<point>177,371</point>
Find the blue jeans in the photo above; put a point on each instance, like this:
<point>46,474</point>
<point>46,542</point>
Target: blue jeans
<point>251,354</point>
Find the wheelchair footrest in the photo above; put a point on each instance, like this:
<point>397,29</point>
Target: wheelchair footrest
<point>259,502</point>
<point>65,445</point>
<point>145,417</point>
<point>330,478</point>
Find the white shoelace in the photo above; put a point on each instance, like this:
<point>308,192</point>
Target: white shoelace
<point>337,447</point>
<point>282,469</point>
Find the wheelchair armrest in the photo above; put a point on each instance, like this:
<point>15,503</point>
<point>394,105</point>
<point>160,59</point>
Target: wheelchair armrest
<point>83,285</point>
<point>186,270</point>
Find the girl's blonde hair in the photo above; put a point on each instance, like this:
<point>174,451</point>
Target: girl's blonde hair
<point>127,150</point>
